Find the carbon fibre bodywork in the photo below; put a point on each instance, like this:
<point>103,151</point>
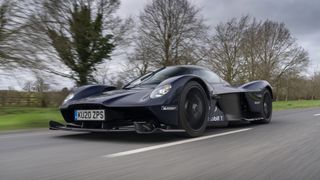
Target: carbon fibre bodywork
<point>127,107</point>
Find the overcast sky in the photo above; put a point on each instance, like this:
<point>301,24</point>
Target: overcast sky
<point>302,17</point>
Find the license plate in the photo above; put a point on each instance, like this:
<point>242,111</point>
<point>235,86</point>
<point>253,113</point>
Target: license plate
<point>89,115</point>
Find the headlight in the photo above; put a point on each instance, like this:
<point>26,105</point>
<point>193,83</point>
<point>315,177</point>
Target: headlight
<point>160,91</point>
<point>70,96</point>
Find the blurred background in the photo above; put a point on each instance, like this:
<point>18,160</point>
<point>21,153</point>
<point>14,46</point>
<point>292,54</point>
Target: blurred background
<point>48,48</point>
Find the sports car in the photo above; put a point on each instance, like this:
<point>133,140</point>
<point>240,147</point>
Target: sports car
<point>184,98</point>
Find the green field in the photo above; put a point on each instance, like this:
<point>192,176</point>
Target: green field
<point>23,118</point>
<point>282,105</point>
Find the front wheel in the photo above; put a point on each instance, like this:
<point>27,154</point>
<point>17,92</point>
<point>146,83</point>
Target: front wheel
<point>193,109</point>
<point>266,111</point>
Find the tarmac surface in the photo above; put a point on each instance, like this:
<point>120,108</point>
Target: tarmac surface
<point>287,148</point>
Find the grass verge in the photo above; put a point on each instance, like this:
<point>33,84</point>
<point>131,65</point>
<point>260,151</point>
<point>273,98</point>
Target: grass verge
<point>283,105</point>
<point>25,117</point>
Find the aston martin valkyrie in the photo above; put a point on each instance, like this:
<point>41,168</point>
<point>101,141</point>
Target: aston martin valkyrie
<point>185,99</point>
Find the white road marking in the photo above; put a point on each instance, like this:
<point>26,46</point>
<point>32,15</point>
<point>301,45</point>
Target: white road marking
<point>135,151</point>
<point>316,115</point>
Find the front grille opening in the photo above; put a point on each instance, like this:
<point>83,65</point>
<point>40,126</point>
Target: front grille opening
<point>115,117</point>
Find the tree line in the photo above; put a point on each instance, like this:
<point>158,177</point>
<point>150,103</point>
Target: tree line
<point>73,38</point>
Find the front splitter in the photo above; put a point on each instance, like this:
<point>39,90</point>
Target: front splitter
<point>53,125</point>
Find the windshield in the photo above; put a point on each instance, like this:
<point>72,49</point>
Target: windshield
<point>158,76</point>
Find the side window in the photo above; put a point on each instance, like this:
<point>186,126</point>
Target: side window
<point>209,76</point>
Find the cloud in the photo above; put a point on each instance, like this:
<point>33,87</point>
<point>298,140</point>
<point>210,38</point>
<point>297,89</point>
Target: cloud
<point>131,7</point>
<point>301,17</point>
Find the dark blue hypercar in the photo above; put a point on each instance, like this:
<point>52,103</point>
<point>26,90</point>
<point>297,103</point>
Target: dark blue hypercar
<point>183,99</point>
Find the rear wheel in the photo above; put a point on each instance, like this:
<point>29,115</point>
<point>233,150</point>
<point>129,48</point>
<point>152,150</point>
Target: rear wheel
<point>266,111</point>
<point>193,109</point>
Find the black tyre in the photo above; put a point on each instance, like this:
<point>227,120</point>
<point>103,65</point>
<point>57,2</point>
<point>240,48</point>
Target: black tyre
<point>266,111</point>
<point>193,109</point>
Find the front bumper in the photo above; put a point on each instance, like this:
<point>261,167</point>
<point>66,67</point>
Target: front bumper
<point>161,114</point>
<point>138,127</point>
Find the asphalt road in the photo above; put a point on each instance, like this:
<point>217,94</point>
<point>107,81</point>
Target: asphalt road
<point>288,148</point>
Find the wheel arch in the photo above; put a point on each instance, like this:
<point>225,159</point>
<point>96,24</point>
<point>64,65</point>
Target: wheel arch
<point>203,85</point>
<point>258,86</point>
<point>181,81</point>
<point>270,90</point>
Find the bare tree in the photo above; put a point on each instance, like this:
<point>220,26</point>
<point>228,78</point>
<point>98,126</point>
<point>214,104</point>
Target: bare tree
<point>171,32</point>
<point>225,48</point>
<point>4,8</point>
<point>246,50</point>
<point>314,86</point>
<point>278,51</point>
<point>250,53</point>
<point>28,86</point>
<point>294,86</point>
<point>10,29</point>
<point>142,59</point>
